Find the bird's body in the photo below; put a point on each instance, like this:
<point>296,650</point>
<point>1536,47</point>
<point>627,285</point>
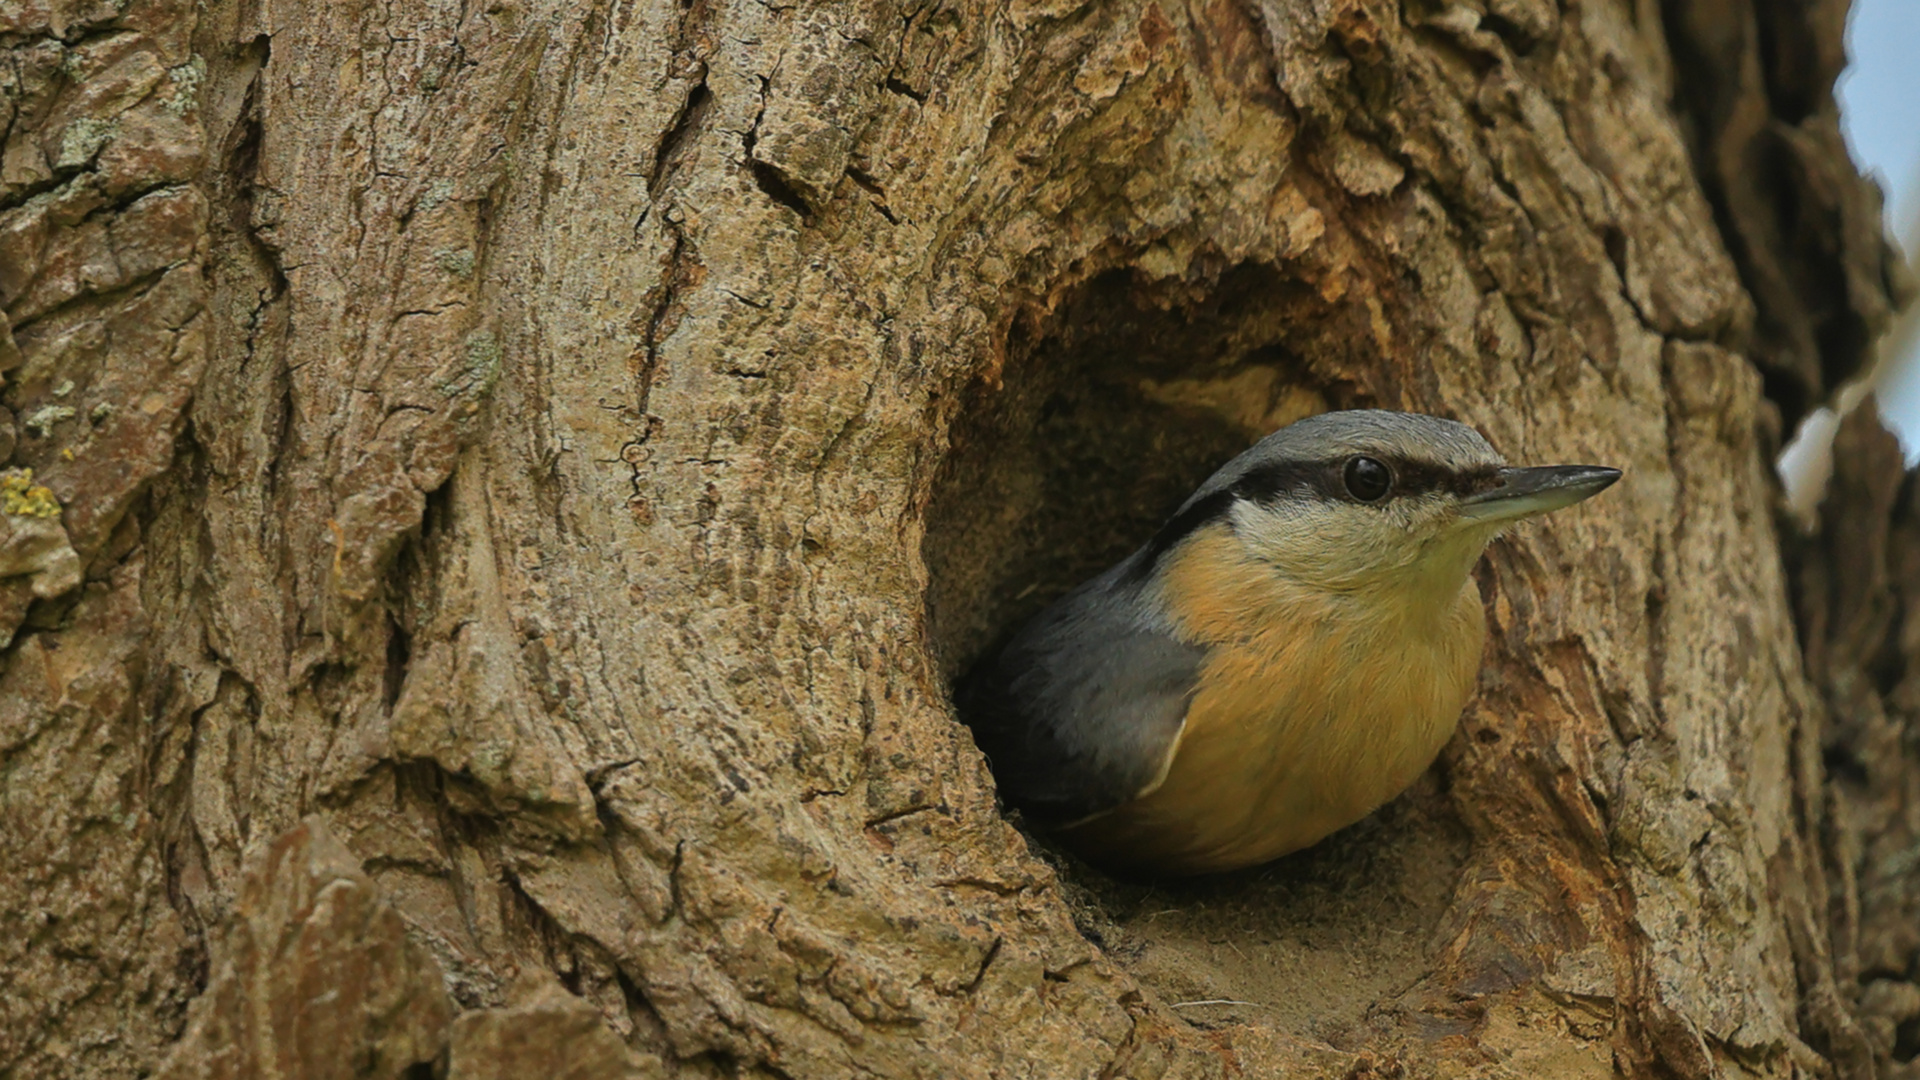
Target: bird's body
<point>1283,657</point>
<point>1292,732</point>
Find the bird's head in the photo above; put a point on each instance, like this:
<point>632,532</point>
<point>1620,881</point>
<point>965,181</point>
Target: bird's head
<point>1369,501</point>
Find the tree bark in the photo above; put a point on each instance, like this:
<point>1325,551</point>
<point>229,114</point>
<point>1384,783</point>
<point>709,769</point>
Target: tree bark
<point>527,472</point>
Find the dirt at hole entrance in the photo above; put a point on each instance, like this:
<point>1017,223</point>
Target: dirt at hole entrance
<point>1308,945</point>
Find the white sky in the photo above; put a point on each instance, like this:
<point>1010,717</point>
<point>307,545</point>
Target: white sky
<point>1880,110</point>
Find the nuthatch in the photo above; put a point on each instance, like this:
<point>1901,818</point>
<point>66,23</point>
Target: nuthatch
<point>1289,651</point>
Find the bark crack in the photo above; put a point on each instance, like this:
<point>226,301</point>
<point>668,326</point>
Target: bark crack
<point>767,177</point>
<point>685,126</point>
<point>980,976</point>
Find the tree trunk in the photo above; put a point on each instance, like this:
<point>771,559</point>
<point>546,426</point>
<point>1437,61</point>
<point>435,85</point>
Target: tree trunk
<point>526,473</point>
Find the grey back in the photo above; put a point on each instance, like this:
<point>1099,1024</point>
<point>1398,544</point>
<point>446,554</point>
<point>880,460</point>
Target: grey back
<point>1078,712</point>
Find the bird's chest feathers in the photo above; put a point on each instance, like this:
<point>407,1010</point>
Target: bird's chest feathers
<point>1311,709</point>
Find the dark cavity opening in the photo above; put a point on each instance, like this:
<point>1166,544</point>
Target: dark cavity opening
<point>1110,411</point>
<point>1906,1040</point>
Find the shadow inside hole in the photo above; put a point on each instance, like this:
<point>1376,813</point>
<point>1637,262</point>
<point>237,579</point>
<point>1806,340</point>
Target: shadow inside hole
<point>1109,413</point>
<point>1107,417</point>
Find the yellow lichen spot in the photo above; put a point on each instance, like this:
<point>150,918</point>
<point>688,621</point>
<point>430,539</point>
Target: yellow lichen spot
<point>66,453</point>
<point>19,495</point>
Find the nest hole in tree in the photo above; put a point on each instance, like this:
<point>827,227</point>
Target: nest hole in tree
<point>1110,410</point>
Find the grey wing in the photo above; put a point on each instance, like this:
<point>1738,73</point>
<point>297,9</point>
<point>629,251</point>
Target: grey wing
<point>1081,709</point>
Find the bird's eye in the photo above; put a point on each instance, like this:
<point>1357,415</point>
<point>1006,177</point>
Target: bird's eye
<point>1367,479</point>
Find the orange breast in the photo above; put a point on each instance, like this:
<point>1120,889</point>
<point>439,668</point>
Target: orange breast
<point>1310,712</point>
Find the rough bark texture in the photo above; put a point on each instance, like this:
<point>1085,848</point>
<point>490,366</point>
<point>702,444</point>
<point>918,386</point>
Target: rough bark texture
<point>526,471</point>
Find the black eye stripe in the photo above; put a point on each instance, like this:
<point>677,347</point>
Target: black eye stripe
<point>1326,479</point>
<point>1419,478</point>
<point>1316,479</point>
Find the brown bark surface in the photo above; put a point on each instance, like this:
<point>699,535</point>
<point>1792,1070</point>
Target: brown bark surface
<point>526,471</point>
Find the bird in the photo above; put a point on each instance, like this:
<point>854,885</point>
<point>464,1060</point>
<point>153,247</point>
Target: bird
<point>1286,653</point>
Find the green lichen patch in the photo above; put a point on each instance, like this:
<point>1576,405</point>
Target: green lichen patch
<point>437,193</point>
<point>458,262</point>
<point>187,79</point>
<point>42,420</point>
<point>82,140</point>
<point>21,497</point>
<point>475,378</point>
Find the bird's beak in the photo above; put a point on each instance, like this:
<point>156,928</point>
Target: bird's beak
<point>1525,492</point>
